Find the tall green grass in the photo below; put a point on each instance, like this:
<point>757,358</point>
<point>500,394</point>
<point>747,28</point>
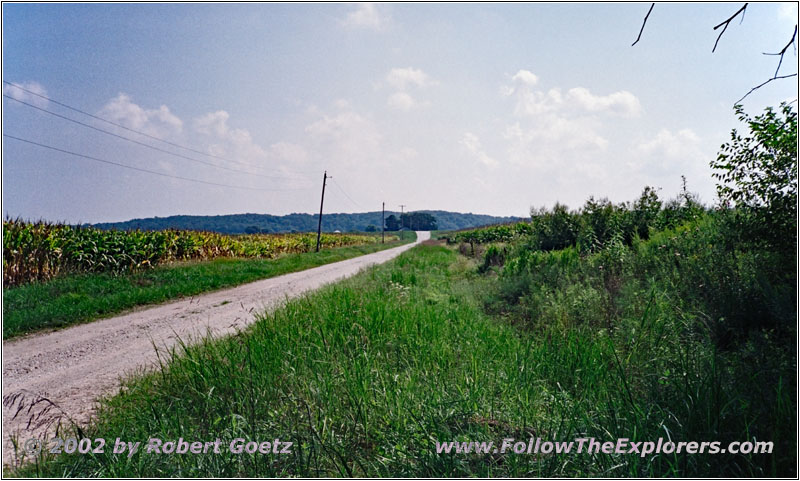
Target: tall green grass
<point>698,331</point>
<point>367,375</point>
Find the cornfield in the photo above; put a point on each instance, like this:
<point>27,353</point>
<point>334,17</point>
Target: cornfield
<point>41,251</point>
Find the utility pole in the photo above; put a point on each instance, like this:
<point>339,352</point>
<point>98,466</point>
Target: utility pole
<point>322,201</point>
<point>383,223</point>
<point>402,206</point>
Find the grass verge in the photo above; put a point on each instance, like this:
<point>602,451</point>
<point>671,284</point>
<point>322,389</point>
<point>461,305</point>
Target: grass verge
<point>361,376</point>
<point>81,298</point>
<point>365,377</point>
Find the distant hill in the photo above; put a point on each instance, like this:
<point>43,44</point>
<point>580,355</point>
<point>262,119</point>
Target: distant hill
<point>239,223</point>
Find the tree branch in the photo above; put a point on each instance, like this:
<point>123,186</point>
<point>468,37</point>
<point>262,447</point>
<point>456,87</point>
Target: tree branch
<point>742,10</point>
<point>791,42</point>
<point>765,83</point>
<point>775,77</point>
<point>728,22</point>
<point>643,24</point>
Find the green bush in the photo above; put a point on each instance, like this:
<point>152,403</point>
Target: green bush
<point>757,173</point>
<point>696,333</point>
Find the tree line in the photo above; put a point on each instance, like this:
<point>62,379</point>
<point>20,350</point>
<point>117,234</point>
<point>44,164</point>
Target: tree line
<point>411,221</point>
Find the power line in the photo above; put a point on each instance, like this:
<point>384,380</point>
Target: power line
<point>75,109</point>
<point>119,125</point>
<point>345,193</point>
<point>141,169</point>
<point>190,149</point>
<point>142,143</point>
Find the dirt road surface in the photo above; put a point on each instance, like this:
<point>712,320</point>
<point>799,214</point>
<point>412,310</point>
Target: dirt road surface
<point>72,367</point>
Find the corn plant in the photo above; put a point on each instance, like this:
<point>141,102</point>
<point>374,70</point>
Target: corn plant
<point>41,251</point>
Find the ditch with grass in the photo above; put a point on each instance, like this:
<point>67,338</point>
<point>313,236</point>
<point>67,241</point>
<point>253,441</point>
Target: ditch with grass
<point>366,376</point>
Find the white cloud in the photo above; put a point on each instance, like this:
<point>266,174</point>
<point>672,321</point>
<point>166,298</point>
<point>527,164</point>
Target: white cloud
<point>213,123</point>
<point>401,78</point>
<point>348,136</point>
<point>405,102</point>
<point>553,139</point>
<point>293,153</point>
<point>526,77</point>
<point>158,122</point>
<point>677,145</point>
<point>24,96</point>
<point>473,145</point>
<point>571,133</point>
<point>366,15</point>
<point>562,134</point>
<point>402,156</point>
<point>623,102</point>
<point>553,127</point>
<point>535,103</point>
<point>228,141</point>
<point>342,104</point>
<point>401,101</point>
<point>349,145</point>
<point>663,158</point>
<point>531,102</point>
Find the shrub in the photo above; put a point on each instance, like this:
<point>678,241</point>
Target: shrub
<point>758,173</point>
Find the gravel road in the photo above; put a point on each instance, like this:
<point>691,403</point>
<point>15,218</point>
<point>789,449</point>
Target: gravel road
<point>73,367</point>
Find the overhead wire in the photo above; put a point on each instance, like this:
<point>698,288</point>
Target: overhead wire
<point>75,109</point>
<point>144,144</point>
<point>57,149</point>
<point>173,144</point>
<point>345,193</point>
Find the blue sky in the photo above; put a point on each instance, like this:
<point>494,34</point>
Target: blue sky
<point>486,108</point>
